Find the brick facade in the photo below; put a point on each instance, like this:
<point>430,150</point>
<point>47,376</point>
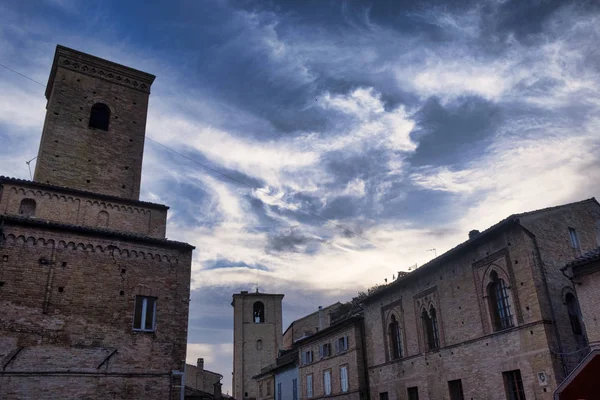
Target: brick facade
<point>526,251</point>
<point>196,377</point>
<point>256,344</point>
<point>76,259</point>
<point>350,357</point>
<point>308,325</point>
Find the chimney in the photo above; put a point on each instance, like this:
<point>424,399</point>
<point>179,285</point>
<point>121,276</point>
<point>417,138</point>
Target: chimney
<point>473,234</point>
<point>218,395</point>
<point>200,364</point>
<point>321,318</point>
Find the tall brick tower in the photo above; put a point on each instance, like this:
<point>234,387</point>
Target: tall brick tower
<point>93,137</point>
<point>257,331</point>
<point>94,299</point>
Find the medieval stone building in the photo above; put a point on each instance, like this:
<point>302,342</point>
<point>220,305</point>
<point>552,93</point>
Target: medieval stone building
<point>94,299</point>
<point>492,318</point>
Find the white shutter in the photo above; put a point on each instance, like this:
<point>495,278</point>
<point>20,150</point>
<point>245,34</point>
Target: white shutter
<point>309,386</point>
<point>344,378</point>
<point>321,350</point>
<point>327,382</point>
<point>346,343</point>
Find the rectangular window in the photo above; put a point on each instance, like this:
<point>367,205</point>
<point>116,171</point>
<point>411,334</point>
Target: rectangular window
<point>514,385</point>
<point>144,317</point>
<point>383,396</point>
<point>294,389</point>
<point>456,390</point>
<point>344,378</point>
<point>307,357</point>
<point>325,350</point>
<point>327,382</point>
<point>574,238</point>
<point>341,344</point>
<point>279,391</point>
<point>413,393</point>
<point>309,386</point>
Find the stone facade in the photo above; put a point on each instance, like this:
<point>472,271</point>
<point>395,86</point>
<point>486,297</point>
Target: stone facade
<point>196,377</point>
<point>308,325</point>
<point>94,299</point>
<point>76,156</point>
<point>257,339</point>
<point>344,348</point>
<point>526,252</point>
<point>585,274</point>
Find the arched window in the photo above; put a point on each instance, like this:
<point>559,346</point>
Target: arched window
<point>259,312</point>
<point>259,344</point>
<point>499,303</point>
<point>395,338</point>
<point>573,310</point>
<point>27,208</point>
<point>430,328</point>
<point>100,116</point>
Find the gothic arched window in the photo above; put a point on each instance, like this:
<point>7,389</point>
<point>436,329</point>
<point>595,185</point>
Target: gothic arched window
<point>100,116</point>
<point>430,328</point>
<point>395,338</point>
<point>499,303</point>
<point>259,312</point>
<point>27,208</point>
<point>573,310</point>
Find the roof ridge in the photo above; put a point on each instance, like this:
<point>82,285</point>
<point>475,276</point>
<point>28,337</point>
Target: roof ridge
<point>545,209</point>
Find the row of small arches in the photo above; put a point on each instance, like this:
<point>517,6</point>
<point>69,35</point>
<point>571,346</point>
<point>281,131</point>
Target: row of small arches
<point>47,195</point>
<point>22,239</point>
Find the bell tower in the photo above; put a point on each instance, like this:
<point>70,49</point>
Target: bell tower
<point>93,136</point>
<point>257,338</point>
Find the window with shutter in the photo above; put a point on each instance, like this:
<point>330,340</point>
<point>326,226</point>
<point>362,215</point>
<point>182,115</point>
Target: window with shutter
<point>309,386</point>
<point>294,389</point>
<point>279,391</point>
<point>344,378</point>
<point>327,382</point>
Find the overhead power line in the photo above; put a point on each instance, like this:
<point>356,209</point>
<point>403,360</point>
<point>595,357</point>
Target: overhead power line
<point>343,228</point>
<point>24,76</point>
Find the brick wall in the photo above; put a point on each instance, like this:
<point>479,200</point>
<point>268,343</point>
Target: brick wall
<point>76,156</point>
<point>250,355</point>
<point>83,209</point>
<point>588,295</point>
<point>67,303</point>
<point>470,348</point>
<point>308,325</point>
<point>352,359</point>
<point>198,378</point>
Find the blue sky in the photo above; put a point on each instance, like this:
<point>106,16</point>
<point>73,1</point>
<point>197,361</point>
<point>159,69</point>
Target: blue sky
<point>409,123</point>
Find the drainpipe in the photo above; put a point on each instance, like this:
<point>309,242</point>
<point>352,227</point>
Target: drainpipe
<point>182,388</point>
<point>540,264</point>
<point>364,356</point>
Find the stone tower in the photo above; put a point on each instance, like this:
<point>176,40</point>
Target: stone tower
<point>257,328</point>
<point>93,136</point>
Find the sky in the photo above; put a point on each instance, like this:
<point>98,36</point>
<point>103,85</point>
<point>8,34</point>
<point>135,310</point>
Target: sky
<point>349,138</point>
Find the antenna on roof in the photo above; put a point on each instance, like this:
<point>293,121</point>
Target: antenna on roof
<point>434,252</point>
<point>29,166</point>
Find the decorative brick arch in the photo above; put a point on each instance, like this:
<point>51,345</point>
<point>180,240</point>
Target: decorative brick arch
<point>486,281</point>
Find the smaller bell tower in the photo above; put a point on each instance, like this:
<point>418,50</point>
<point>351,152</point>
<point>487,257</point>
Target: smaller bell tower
<point>257,338</point>
<point>95,126</point>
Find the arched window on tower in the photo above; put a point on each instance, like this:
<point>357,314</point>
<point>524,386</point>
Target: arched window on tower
<point>259,312</point>
<point>499,303</point>
<point>99,116</point>
<point>395,338</point>
<point>573,310</point>
<point>27,208</point>
<point>430,328</point>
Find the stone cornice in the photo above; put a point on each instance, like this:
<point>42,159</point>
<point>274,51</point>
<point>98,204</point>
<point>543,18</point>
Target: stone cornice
<point>99,68</point>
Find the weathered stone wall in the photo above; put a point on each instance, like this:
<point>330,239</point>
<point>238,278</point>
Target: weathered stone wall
<point>352,358</point>
<point>588,294</point>
<point>198,378</point>
<point>85,209</point>
<point>250,355</point>
<point>307,325</point>
<point>67,304</point>
<point>551,230</point>
<point>74,155</point>
<point>470,349</point>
